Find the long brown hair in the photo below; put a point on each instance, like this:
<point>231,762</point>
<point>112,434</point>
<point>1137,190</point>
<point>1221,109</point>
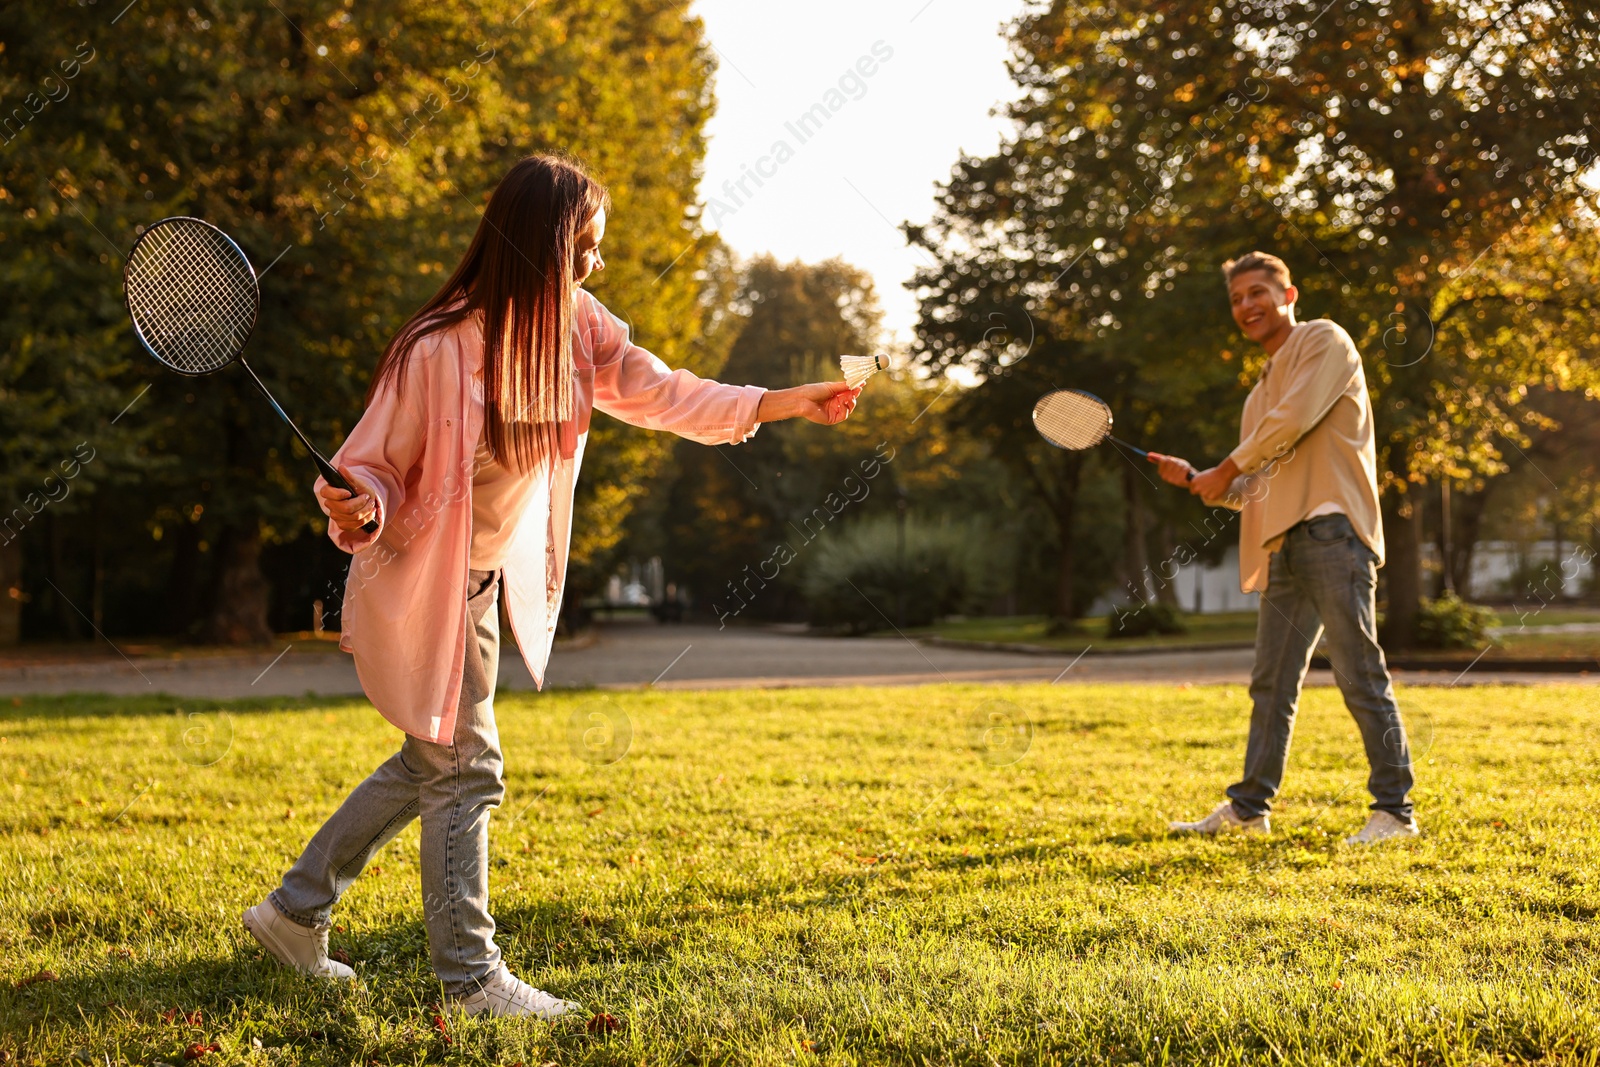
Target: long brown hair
<point>517,276</point>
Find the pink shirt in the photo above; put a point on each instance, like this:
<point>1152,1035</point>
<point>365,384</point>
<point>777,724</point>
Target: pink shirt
<point>405,606</point>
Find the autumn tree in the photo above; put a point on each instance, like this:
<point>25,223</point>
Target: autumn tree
<point>1418,163</point>
<point>349,150</point>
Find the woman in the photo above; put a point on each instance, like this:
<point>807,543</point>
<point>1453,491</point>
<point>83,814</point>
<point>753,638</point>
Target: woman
<point>466,460</point>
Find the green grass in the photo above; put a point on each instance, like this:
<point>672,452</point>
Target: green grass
<point>1232,627</point>
<point>1532,613</point>
<point>1239,627</point>
<point>833,876</point>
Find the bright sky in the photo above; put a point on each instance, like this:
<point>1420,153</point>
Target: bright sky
<point>904,86</point>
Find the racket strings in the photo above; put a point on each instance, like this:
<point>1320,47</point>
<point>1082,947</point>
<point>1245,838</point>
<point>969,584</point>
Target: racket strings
<point>192,295</point>
<point>1073,420</point>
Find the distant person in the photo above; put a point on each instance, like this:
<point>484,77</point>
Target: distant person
<point>467,458</point>
<point>1310,541</point>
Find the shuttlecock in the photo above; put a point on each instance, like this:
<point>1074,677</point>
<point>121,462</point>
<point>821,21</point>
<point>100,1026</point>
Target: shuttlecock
<point>858,369</point>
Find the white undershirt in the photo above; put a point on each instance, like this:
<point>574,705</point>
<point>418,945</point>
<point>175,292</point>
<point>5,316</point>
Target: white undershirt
<point>499,497</point>
<point>1327,507</point>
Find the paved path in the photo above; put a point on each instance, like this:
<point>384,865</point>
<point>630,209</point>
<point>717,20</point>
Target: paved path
<point>625,655</point>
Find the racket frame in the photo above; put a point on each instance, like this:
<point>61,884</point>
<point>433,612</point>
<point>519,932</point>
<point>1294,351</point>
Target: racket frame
<point>324,467</point>
<point>1108,436</point>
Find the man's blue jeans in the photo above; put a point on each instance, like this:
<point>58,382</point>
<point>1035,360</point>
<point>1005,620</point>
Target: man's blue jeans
<point>1322,576</point>
<point>453,788</point>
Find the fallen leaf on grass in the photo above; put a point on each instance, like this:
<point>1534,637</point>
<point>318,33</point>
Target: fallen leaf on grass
<point>597,811</point>
<point>42,976</point>
<point>438,1024</point>
<point>341,955</point>
<point>196,1050</point>
<point>602,1023</point>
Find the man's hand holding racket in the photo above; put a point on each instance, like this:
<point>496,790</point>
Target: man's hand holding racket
<point>1212,484</point>
<point>346,510</point>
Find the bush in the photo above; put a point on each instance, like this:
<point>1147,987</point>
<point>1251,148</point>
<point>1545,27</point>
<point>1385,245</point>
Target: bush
<point>1145,620</point>
<point>1450,622</point>
<point>859,579</point>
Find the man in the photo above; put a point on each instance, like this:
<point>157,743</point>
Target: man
<point>1311,541</point>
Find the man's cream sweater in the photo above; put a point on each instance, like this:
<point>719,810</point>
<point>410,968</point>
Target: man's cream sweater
<point>1305,439</point>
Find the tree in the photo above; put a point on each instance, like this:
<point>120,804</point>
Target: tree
<point>755,514</point>
<point>348,150</point>
<point>1397,155</point>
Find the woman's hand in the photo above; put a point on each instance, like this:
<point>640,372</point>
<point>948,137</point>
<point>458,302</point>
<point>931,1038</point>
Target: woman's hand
<point>349,511</point>
<point>825,403</point>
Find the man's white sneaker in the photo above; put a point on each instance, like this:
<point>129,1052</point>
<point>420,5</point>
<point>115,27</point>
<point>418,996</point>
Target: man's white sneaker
<point>1222,818</point>
<point>1382,826</point>
<point>504,994</point>
<point>305,948</point>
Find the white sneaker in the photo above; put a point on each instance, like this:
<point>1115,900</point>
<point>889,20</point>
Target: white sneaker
<point>305,948</point>
<point>504,994</point>
<point>1382,826</point>
<point>1223,817</point>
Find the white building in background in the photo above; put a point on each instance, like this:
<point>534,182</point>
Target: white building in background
<point>1496,566</point>
<point>1206,589</point>
<point>1202,588</point>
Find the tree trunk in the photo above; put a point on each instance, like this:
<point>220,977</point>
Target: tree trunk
<point>1136,556</point>
<point>1065,601</point>
<point>67,616</point>
<point>1465,523</point>
<point>239,611</point>
<point>1167,578</point>
<point>182,610</point>
<point>11,592</point>
<point>1064,506</point>
<point>1402,531</point>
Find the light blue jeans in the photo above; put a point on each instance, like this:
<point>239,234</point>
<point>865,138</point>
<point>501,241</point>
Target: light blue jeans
<point>1322,576</point>
<point>453,788</point>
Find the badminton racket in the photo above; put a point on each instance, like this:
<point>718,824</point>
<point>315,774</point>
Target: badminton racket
<point>193,298</point>
<point>1076,420</point>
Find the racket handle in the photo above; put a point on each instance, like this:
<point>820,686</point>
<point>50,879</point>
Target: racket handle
<point>337,480</point>
<point>333,477</point>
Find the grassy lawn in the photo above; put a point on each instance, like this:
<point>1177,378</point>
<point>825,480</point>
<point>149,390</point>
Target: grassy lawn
<point>1239,627</point>
<point>830,876</point>
<point>1225,627</point>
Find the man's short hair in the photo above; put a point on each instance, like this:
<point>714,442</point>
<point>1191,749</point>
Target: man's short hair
<point>1276,268</point>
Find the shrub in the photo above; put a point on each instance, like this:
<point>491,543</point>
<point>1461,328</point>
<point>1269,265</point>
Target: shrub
<point>1450,622</point>
<point>859,578</point>
<point>1148,619</point>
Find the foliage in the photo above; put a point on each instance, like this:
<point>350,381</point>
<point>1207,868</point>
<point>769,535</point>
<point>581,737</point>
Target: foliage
<point>1450,622</point>
<point>870,576</point>
<point>1417,165</point>
<point>348,149</point>
<point>827,874</point>
<point>793,485</point>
